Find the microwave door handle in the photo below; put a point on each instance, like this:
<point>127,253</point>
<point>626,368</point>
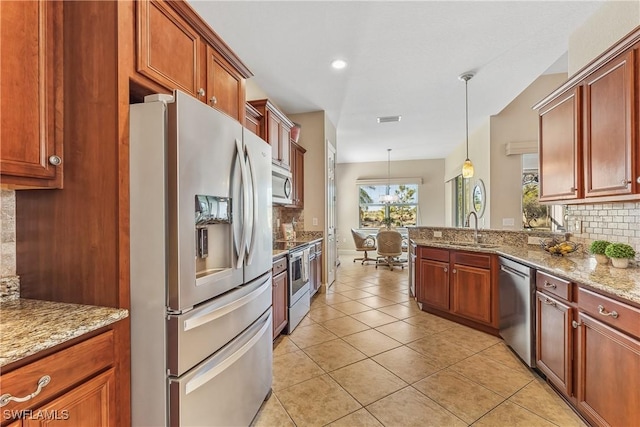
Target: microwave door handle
<point>254,208</point>
<point>245,202</point>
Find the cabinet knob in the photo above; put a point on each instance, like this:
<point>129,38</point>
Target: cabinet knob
<point>625,182</point>
<point>446,269</point>
<point>55,160</point>
<point>201,92</point>
<point>575,324</point>
<point>572,189</point>
<point>454,271</point>
<point>213,100</point>
<point>638,180</point>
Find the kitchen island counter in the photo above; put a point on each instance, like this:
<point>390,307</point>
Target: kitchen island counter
<point>578,267</point>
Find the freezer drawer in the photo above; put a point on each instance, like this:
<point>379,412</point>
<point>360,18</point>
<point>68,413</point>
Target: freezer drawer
<point>195,335</point>
<point>228,388</point>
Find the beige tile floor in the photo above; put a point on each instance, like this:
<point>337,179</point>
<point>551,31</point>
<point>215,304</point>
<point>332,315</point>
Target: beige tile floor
<point>365,355</point>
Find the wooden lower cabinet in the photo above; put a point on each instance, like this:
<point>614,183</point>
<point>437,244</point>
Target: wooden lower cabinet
<point>459,285</point>
<point>554,341</point>
<point>471,293</point>
<point>81,390</point>
<point>90,404</point>
<point>608,374</point>
<point>279,296</point>
<point>433,288</point>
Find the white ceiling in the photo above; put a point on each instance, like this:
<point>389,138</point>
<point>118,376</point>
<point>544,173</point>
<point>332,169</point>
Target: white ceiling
<point>404,58</point>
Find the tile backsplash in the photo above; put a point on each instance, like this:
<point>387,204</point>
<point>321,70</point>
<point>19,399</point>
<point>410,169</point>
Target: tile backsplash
<point>9,282</point>
<point>615,222</point>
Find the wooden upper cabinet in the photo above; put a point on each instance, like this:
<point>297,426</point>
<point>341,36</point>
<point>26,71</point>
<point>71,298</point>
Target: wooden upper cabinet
<point>297,172</point>
<point>609,102</point>
<point>225,86</point>
<point>559,149</point>
<point>252,118</point>
<point>167,48</point>
<point>276,130</point>
<point>31,94</point>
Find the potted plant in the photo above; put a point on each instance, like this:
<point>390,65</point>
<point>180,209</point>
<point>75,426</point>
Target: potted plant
<point>620,254</point>
<point>597,248</point>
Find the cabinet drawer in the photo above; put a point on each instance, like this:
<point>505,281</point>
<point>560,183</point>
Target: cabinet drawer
<point>472,259</point>
<point>65,368</point>
<point>607,310</point>
<point>433,253</point>
<point>279,266</point>
<point>318,247</point>
<point>553,285</point>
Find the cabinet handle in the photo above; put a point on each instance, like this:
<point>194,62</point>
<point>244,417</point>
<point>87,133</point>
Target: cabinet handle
<point>604,312</point>
<point>42,382</point>
<point>55,160</point>
<point>455,271</point>
<point>445,269</point>
<point>549,285</point>
<point>213,100</point>
<point>575,324</point>
<point>549,302</point>
<point>201,92</point>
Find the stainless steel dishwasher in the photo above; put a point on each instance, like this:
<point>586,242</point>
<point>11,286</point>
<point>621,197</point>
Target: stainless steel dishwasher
<point>517,310</point>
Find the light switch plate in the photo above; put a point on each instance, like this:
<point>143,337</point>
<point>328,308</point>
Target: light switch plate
<point>437,234</point>
<point>315,221</point>
<point>577,226</point>
<point>508,222</point>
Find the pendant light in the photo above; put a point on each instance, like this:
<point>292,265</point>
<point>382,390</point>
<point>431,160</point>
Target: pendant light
<point>467,167</point>
<point>388,198</point>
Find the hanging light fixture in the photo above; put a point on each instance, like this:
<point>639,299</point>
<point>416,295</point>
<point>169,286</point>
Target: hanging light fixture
<point>388,198</point>
<point>467,167</point>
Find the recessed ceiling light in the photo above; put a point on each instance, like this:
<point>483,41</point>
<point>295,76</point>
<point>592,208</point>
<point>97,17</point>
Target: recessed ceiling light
<point>338,64</point>
<point>389,119</point>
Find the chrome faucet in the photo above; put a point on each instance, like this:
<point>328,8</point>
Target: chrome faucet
<point>467,224</point>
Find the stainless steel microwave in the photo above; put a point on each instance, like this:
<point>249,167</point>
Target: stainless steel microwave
<point>281,185</point>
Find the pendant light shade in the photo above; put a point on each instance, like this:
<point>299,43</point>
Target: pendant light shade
<point>467,167</point>
<point>388,198</point>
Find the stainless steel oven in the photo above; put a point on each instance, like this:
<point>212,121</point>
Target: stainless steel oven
<point>299,299</point>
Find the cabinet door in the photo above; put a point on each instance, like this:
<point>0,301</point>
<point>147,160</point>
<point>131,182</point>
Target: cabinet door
<point>285,145</point>
<point>559,148</point>
<point>90,404</point>
<point>279,298</point>
<point>471,293</point>
<point>167,47</point>
<point>225,86</point>
<point>608,372</point>
<point>297,172</point>
<point>608,128</point>
<point>31,93</point>
<point>273,135</point>
<point>434,283</point>
<point>554,341</point>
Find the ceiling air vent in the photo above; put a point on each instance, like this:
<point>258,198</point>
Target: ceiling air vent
<point>389,119</point>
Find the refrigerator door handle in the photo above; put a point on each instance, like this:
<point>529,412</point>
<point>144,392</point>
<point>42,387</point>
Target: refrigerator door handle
<point>217,312</point>
<point>202,378</point>
<point>245,203</point>
<point>254,208</point>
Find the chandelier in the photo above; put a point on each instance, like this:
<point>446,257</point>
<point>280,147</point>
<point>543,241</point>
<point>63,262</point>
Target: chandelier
<point>388,198</point>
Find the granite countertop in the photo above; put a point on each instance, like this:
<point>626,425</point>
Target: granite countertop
<point>281,247</point>
<point>29,326</point>
<point>577,267</point>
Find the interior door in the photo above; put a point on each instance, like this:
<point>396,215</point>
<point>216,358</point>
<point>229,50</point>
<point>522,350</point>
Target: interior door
<point>332,252</point>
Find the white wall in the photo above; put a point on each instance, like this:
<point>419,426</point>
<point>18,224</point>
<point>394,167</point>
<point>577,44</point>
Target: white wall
<point>607,25</point>
<point>431,198</point>
<point>517,122</point>
<point>479,154</point>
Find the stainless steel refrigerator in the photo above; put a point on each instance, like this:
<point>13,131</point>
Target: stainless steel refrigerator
<point>200,241</point>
